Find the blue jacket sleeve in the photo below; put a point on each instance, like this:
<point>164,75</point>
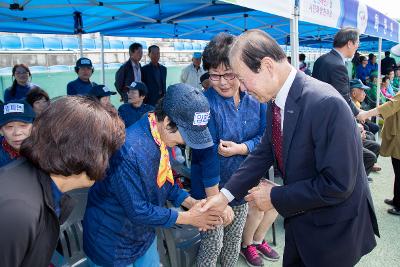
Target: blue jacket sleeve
<point>253,142</point>
<point>130,192</point>
<point>208,163</point>
<point>177,195</point>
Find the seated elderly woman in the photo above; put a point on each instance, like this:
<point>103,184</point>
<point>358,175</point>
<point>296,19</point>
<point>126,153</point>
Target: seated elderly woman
<point>125,208</point>
<point>69,148</point>
<point>237,122</point>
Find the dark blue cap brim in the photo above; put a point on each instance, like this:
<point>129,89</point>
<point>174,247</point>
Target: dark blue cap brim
<point>22,119</point>
<point>196,139</point>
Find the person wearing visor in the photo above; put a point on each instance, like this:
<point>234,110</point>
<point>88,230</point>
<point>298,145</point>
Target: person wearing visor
<point>124,210</point>
<point>102,93</point>
<point>132,111</point>
<point>82,85</point>
<point>15,125</point>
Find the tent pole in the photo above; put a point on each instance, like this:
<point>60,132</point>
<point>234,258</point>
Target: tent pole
<point>378,88</point>
<point>80,44</point>
<point>294,37</point>
<point>103,74</point>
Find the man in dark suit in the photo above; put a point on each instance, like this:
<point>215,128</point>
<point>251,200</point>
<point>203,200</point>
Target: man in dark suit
<point>312,136</point>
<point>130,71</point>
<point>387,64</point>
<point>154,75</point>
<point>331,68</point>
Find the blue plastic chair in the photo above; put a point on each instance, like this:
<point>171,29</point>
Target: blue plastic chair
<point>52,43</point>
<point>70,43</point>
<point>196,46</point>
<point>88,44</point>
<point>127,43</point>
<point>187,46</point>
<point>178,46</point>
<point>10,42</point>
<point>116,44</point>
<point>32,43</point>
<point>106,44</point>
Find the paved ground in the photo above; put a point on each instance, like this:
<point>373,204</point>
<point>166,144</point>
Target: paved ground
<point>387,252</point>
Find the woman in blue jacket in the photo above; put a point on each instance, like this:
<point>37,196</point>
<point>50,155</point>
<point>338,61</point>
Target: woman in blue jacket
<point>125,208</point>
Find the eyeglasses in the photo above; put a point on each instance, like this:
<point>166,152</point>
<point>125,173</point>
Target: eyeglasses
<point>21,72</point>
<point>217,77</point>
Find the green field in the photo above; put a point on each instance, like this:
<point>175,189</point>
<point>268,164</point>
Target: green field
<point>55,83</point>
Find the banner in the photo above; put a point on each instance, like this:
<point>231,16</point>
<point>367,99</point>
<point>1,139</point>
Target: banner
<point>283,8</point>
<point>341,13</point>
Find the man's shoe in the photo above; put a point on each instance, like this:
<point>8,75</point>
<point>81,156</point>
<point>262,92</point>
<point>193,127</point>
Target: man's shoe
<point>267,252</point>
<point>251,256</point>
<point>394,211</point>
<point>376,168</point>
<point>389,201</point>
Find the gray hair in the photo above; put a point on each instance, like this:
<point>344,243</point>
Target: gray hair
<point>253,46</point>
<point>345,35</point>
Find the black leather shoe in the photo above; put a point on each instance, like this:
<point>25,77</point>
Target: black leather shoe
<point>389,201</point>
<point>394,211</point>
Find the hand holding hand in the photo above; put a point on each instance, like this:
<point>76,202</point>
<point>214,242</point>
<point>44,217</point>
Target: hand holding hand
<point>260,196</point>
<point>216,203</point>
<point>228,215</point>
<point>204,220</point>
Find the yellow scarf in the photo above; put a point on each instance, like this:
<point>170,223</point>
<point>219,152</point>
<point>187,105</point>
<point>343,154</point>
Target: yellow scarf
<point>164,169</point>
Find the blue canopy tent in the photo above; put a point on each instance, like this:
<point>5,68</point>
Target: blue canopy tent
<point>295,22</point>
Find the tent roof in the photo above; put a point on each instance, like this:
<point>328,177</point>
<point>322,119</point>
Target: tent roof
<point>187,19</point>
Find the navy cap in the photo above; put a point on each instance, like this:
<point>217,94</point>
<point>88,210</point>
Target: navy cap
<point>84,62</point>
<point>189,109</point>
<point>356,83</point>
<point>100,91</point>
<point>16,111</point>
<point>204,77</point>
<point>138,86</point>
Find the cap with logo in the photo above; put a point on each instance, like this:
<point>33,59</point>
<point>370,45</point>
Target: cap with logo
<point>16,111</point>
<point>100,91</point>
<point>83,62</point>
<point>189,109</point>
<point>138,86</point>
<point>197,55</point>
<point>357,83</point>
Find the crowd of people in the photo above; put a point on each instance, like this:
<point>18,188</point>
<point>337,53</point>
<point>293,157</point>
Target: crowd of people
<point>240,108</point>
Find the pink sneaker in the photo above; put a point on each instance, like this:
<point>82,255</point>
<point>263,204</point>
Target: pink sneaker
<point>251,256</point>
<point>267,252</point>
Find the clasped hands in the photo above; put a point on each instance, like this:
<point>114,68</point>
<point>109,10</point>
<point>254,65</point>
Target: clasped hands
<point>217,205</point>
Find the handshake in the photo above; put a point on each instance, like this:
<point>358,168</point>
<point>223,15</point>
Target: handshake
<point>214,211</point>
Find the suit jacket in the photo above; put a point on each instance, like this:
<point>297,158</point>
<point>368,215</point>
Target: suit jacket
<point>330,68</point>
<point>123,77</point>
<point>391,129</point>
<point>325,199</point>
<point>148,78</point>
<point>387,63</point>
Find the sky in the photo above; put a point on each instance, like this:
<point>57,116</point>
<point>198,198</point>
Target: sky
<point>390,8</point>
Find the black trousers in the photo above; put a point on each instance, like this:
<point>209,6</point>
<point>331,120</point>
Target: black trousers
<point>370,154</point>
<point>396,188</point>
